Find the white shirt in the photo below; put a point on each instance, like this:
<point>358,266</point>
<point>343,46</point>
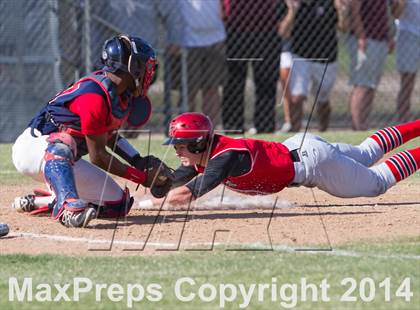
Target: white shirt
<point>203,25</point>
<point>410,18</point>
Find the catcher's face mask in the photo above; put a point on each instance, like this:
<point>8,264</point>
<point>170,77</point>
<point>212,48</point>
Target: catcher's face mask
<point>142,64</point>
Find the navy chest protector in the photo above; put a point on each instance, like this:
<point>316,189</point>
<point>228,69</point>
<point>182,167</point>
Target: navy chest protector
<point>55,115</point>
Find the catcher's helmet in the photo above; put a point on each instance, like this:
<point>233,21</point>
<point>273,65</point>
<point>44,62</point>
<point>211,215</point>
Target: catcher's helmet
<point>191,128</point>
<point>133,55</point>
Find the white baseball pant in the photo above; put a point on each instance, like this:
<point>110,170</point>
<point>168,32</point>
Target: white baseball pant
<point>93,184</point>
<point>342,170</point>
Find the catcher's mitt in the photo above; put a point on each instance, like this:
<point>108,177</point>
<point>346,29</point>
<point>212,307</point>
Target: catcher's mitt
<point>157,172</point>
<point>159,191</point>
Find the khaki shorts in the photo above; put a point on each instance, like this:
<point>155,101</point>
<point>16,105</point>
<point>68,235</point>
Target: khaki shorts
<point>286,60</point>
<point>306,75</point>
<point>408,52</point>
<point>205,65</point>
<point>368,71</point>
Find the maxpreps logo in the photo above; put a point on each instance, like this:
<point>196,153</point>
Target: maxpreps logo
<point>28,291</point>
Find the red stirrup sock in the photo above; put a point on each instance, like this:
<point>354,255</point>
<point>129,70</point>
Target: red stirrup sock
<point>391,137</point>
<point>404,164</point>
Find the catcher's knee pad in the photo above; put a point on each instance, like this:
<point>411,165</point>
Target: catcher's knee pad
<point>65,139</point>
<point>58,172</point>
<point>114,209</point>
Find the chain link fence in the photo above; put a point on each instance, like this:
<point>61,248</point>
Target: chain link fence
<point>230,73</point>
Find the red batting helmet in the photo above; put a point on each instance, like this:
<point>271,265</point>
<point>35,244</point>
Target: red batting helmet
<point>191,128</point>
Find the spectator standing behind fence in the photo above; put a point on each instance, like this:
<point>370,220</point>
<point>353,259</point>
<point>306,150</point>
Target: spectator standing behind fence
<point>312,29</point>
<point>286,62</point>
<point>408,51</point>
<point>252,36</point>
<point>144,17</point>
<point>368,45</point>
<point>203,37</point>
<point>157,21</point>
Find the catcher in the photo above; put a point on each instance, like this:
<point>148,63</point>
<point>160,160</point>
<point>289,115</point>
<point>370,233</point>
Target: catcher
<point>256,167</point>
<point>84,119</point>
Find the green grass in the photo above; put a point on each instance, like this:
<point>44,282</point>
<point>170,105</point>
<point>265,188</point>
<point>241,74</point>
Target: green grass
<point>223,267</point>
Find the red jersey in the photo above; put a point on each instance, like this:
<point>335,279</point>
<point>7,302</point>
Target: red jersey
<point>91,106</point>
<point>271,170</point>
<point>95,118</point>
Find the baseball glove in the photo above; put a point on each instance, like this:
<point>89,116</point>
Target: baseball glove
<point>158,174</point>
<point>159,191</point>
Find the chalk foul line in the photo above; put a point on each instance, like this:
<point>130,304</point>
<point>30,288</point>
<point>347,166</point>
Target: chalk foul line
<point>242,246</point>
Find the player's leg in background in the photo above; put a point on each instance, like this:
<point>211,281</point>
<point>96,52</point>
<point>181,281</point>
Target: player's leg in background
<point>365,74</point>
<point>234,86</point>
<point>299,86</point>
<point>266,74</point>
<point>361,104</point>
<point>408,63</point>
<point>381,142</point>
<point>322,85</point>
<point>285,65</point>
<point>404,95</point>
<point>233,95</point>
<point>194,80</point>
<point>212,71</point>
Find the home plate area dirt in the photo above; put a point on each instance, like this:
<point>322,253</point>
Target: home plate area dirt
<point>300,218</point>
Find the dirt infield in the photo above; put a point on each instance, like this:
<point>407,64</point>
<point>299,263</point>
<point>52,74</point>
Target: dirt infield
<point>302,218</point>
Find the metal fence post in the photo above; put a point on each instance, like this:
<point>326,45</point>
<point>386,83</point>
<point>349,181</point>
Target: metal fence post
<point>167,86</point>
<point>86,36</point>
<point>184,80</point>
<point>55,45</point>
